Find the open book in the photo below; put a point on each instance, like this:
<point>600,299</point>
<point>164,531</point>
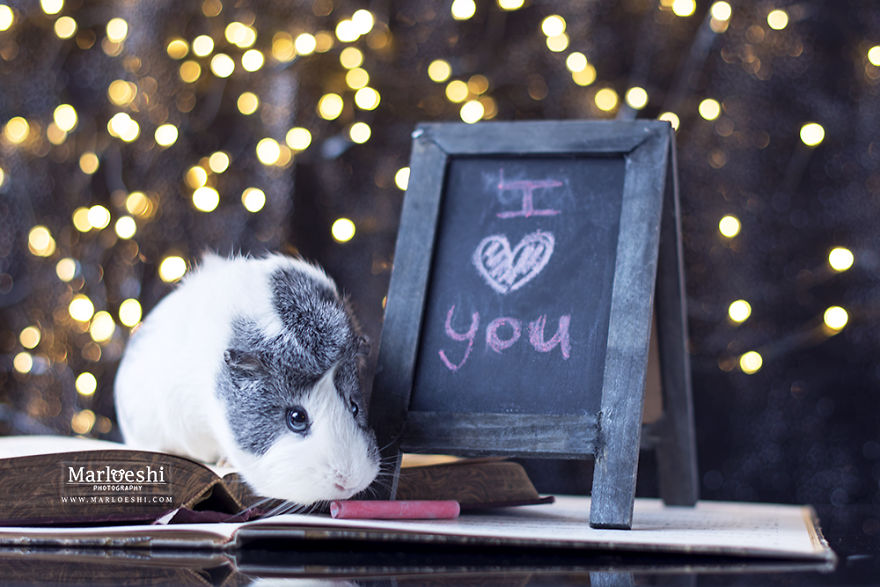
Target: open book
<point>55,480</point>
<point>711,528</point>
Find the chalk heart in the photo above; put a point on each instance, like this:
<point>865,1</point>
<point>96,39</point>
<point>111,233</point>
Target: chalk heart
<point>505,269</point>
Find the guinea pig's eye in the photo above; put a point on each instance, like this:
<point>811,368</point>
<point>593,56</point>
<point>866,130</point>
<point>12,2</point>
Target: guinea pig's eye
<point>298,419</point>
<point>354,408</point>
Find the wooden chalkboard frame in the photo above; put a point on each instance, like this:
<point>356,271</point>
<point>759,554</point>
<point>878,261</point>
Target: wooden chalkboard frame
<point>649,261</point>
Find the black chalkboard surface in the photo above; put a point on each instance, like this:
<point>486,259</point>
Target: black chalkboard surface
<point>532,263</point>
<point>520,287</point>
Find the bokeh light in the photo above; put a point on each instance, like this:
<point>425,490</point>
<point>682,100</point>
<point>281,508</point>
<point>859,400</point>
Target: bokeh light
<point>130,312</point>
<point>51,7</point>
<point>248,103</point>
<point>125,227</point>
<point>636,98</point>
<point>102,327</point>
<point>89,162</point>
<point>218,162</point>
<point>172,268</point>
<point>253,199</point>
<point>739,311</point>
<point>472,111</point>
<point>835,318</point>
<point>66,269</point>
<point>343,230</point>
<point>7,17</point>
<point>367,98</point>
<point>841,258</point>
<point>812,134</point>
<point>41,242</point>
<point>576,61</point>
<point>65,117</point>
<point>401,178</point>
<point>99,217</point>
<point>206,199</point>
<point>606,99</point>
<point>305,44</point>
<point>222,65</point>
<point>672,118</point>
<point>684,8</point>
<point>29,337</point>
<point>360,132</point>
<point>83,421</point>
<point>439,70</point>
<point>751,362</point>
<point>253,60</point>
<point>177,48</point>
<point>463,9</point>
<point>202,46</point>
<point>17,130</point>
<point>777,19</point>
<point>710,109</point>
<point>729,226</point>
<point>117,29</point>
<point>330,106</point>
<point>553,25</point>
<point>166,135</point>
<point>81,308</point>
<point>721,10</point>
<point>86,384</point>
<point>298,138</point>
<point>23,362</point>
<point>268,151</point>
<point>65,27</point>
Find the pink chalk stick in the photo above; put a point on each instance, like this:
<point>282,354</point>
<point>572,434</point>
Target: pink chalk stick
<point>395,510</point>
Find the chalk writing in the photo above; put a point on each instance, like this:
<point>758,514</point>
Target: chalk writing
<point>536,336</point>
<point>527,187</point>
<point>510,332</point>
<point>497,344</point>
<point>468,336</point>
<point>506,270</point>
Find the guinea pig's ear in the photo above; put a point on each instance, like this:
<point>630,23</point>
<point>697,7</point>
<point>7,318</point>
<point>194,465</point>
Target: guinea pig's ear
<point>243,363</point>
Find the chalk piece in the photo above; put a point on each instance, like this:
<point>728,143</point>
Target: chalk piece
<point>395,510</point>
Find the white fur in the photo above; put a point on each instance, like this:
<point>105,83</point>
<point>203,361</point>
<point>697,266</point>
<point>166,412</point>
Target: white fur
<point>165,387</point>
<point>317,474</point>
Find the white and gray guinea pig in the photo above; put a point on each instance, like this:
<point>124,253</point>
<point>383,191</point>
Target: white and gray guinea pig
<point>255,361</point>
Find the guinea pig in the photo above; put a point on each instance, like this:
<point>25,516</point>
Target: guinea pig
<point>255,361</point>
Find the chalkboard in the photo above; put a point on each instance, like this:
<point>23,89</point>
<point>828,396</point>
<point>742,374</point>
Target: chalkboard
<point>520,287</point>
<point>522,299</point>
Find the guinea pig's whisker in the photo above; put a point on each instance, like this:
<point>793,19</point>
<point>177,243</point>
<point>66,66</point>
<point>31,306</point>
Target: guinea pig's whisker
<point>254,506</point>
<point>282,508</point>
<point>382,449</point>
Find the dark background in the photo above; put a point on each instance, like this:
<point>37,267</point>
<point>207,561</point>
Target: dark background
<point>803,428</point>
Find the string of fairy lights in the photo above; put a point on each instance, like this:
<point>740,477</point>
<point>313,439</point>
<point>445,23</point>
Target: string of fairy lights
<point>239,49</point>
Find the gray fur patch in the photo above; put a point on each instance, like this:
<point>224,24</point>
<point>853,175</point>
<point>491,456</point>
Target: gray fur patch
<point>262,377</point>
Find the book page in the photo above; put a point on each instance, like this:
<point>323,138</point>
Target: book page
<point>710,528</point>
<point>723,528</point>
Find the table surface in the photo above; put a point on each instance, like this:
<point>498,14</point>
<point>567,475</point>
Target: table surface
<point>852,531</point>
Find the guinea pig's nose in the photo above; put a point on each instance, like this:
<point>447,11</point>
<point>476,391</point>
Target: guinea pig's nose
<point>341,482</point>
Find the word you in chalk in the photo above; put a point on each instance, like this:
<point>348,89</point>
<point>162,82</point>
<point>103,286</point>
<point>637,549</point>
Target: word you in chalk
<point>504,332</point>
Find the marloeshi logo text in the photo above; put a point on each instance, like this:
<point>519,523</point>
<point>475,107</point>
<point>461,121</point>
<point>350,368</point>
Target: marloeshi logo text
<point>108,474</point>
